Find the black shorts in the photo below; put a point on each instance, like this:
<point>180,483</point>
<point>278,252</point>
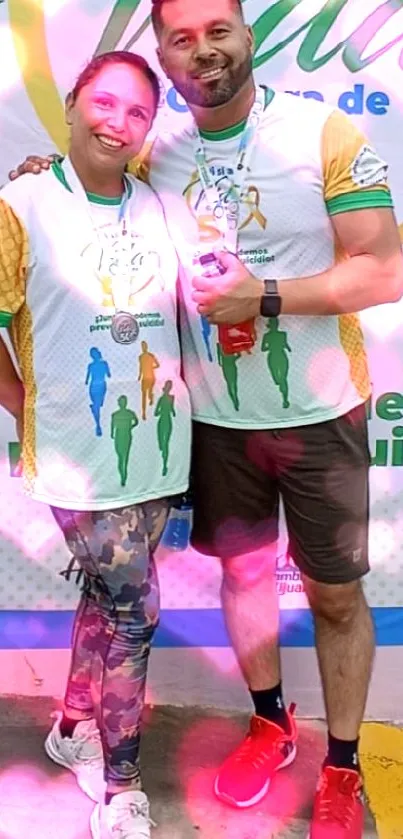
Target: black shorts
<point>321,473</point>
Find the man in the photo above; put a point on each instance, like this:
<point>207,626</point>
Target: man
<point>296,191</point>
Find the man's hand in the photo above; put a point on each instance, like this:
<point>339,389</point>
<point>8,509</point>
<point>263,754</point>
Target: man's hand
<point>33,165</point>
<point>232,298</point>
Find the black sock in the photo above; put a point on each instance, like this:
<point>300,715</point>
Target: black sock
<point>343,754</point>
<point>269,704</point>
<point>67,726</point>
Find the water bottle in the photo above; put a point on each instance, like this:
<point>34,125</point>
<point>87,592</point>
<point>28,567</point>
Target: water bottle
<point>176,535</point>
<point>233,338</point>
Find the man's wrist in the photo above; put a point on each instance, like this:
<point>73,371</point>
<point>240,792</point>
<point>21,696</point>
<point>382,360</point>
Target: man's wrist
<point>270,301</point>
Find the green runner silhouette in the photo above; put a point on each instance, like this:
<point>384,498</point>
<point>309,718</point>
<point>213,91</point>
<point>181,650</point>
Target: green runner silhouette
<point>165,410</point>
<point>230,373</point>
<point>122,424</point>
<point>275,343</point>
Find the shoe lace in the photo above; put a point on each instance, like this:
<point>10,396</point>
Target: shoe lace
<point>337,801</point>
<point>252,751</point>
<point>123,829</point>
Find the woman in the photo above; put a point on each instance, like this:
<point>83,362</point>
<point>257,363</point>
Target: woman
<point>71,244</point>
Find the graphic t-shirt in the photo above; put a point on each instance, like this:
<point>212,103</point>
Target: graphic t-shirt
<point>309,163</point>
<point>106,423</point>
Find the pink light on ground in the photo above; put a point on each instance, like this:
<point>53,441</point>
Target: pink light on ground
<point>203,748</point>
<point>36,801</point>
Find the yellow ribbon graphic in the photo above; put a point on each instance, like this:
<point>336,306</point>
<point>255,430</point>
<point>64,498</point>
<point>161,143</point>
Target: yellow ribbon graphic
<point>252,201</point>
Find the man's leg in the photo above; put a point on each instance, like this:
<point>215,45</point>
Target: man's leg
<point>324,482</point>
<point>251,612</point>
<point>236,518</point>
<point>345,646</point>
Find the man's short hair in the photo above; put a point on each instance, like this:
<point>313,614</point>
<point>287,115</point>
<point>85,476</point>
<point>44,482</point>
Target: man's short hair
<point>156,12</point>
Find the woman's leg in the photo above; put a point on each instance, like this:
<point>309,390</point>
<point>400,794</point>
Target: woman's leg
<point>116,549</point>
<point>78,699</point>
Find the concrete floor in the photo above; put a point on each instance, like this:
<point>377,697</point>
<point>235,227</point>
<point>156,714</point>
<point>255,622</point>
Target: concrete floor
<point>181,750</point>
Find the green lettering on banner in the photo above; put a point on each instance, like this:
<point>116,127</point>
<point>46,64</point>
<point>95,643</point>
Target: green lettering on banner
<point>389,407</point>
<point>363,35</point>
<point>118,22</point>
<point>319,25</point>
<point>318,28</point>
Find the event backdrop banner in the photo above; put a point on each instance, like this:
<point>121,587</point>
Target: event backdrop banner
<point>346,52</point>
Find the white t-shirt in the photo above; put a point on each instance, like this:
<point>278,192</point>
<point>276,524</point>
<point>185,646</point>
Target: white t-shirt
<point>309,163</point>
<point>106,424</point>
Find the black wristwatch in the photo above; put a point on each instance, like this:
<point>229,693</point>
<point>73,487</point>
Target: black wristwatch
<point>270,301</point>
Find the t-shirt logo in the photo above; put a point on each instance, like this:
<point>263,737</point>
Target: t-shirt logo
<point>367,169</point>
<point>208,217</point>
<point>105,256</point>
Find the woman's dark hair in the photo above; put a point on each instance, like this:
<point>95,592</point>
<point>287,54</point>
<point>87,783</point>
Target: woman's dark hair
<point>118,57</point>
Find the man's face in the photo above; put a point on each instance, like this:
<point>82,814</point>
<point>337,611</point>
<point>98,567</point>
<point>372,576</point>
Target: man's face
<point>206,50</point>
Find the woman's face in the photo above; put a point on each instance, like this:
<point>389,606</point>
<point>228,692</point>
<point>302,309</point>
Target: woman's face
<point>111,116</point>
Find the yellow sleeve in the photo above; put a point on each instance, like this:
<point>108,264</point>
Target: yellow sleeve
<point>355,177</point>
<point>140,165</point>
<point>13,263</point>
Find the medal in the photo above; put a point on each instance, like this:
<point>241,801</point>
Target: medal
<point>124,328</point>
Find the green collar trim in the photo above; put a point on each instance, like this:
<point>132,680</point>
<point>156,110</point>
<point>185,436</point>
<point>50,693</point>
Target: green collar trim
<point>101,199</point>
<point>225,133</point>
<point>92,196</point>
<point>234,130</point>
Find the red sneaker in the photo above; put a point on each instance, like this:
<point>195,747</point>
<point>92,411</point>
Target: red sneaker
<point>245,776</point>
<point>338,811</point>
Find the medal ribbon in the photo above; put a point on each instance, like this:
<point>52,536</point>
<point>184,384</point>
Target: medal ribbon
<point>121,281</point>
<point>224,204</point>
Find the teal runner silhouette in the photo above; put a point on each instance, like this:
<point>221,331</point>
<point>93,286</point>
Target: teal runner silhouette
<point>122,424</point>
<point>275,343</point>
<point>97,374</point>
<point>230,373</point>
<point>206,332</point>
<point>165,410</point>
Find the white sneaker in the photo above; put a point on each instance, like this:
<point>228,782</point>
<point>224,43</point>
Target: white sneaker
<point>126,817</point>
<point>81,753</point>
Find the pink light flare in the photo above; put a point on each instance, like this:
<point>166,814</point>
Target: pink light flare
<point>33,801</point>
<point>26,523</point>
<point>200,753</point>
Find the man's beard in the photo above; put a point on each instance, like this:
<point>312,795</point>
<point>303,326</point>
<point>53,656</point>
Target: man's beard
<point>215,93</point>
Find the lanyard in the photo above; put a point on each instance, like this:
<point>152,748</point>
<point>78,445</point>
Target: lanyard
<point>224,203</point>
<point>121,281</point>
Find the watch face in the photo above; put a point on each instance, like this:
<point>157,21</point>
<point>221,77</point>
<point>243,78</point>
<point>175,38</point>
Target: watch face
<point>270,305</point>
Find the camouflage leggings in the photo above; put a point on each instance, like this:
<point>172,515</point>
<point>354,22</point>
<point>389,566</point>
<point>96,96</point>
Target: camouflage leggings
<point>114,624</point>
